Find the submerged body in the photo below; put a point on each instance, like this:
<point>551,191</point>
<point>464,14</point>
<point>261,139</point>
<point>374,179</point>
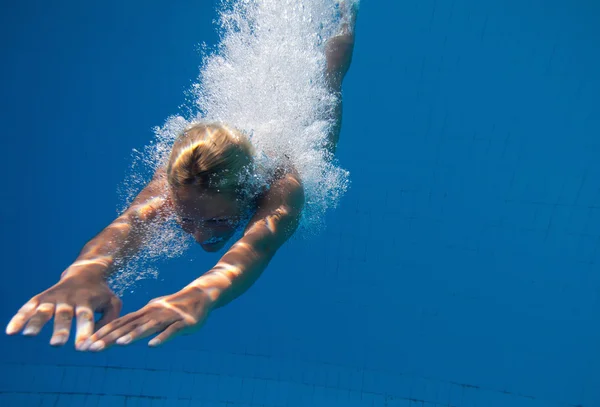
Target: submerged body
<point>198,188</point>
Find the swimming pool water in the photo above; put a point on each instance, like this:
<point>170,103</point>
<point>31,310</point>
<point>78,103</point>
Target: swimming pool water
<point>461,268</point>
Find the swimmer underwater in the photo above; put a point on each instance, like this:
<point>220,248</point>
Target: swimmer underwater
<point>200,186</point>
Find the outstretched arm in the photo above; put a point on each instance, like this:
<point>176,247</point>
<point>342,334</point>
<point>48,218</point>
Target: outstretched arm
<point>184,312</point>
<point>274,223</point>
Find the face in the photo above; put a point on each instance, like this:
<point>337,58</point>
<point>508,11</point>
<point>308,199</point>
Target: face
<point>212,218</point>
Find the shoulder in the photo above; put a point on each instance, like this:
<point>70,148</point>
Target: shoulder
<point>285,189</point>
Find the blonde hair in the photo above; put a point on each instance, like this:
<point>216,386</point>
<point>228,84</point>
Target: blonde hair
<point>211,156</point>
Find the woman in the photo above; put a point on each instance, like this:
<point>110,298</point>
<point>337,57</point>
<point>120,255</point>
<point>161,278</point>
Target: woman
<point>203,185</point>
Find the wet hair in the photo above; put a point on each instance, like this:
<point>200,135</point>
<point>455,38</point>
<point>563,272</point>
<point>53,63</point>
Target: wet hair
<point>212,157</point>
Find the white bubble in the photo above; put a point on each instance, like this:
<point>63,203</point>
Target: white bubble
<point>164,240</point>
<point>265,77</point>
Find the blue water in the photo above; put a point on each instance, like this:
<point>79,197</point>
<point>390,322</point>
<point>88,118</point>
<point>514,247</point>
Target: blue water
<point>461,269</point>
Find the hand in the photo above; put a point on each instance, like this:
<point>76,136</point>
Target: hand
<point>75,295</point>
<point>178,314</point>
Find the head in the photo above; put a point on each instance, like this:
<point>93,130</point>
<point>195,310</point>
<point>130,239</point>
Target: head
<point>205,173</point>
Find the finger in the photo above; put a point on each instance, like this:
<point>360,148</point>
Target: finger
<point>62,324</point>
<point>106,330</point>
<point>85,324</point>
<point>113,326</point>
<point>111,338</point>
<point>171,332</point>
<point>21,317</point>
<point>109,313</point>
<point>42,314</point>
<point>146,329</point>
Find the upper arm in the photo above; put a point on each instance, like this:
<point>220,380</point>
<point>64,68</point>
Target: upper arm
<point>152,200</point>
<point>278,214</point>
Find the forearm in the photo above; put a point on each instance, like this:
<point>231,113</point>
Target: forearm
<point>243,264</point>
<point>233,275</point>
<point>272,225</point>
<point>124,236</point>
<point>118,241</point>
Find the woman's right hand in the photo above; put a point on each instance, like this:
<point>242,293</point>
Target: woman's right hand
<point>76,296</point>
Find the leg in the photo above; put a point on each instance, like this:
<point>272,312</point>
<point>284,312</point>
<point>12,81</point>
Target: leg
<point>338,52</point>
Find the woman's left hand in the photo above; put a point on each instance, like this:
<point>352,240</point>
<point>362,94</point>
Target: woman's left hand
<point>177,314</point>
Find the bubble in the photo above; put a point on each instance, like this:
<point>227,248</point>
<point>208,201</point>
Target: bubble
<point>265,77</point>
